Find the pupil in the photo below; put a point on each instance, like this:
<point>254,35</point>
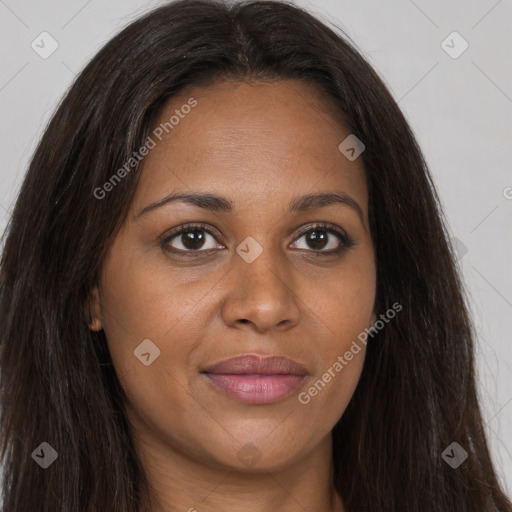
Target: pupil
<point>317,239</point>
<point>192,239</point>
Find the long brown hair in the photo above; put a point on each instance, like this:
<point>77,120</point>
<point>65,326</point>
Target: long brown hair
<point>417,391</point>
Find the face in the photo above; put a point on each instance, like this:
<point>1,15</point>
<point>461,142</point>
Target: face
<point>259,271</point>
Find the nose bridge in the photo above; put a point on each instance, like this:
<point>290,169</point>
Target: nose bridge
<point>261,288</point>
<point>262,266</point>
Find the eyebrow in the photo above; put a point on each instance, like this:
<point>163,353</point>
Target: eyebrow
<point>215,203</point>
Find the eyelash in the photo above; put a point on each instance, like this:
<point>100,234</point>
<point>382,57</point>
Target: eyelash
<point>346,240</point>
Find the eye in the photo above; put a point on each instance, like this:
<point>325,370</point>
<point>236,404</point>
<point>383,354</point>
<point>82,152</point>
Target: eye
<point>192,239</point>
<point>325,238</point>
<point>189,239</point>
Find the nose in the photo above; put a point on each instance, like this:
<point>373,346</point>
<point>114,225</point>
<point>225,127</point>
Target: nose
<point>261,295</point>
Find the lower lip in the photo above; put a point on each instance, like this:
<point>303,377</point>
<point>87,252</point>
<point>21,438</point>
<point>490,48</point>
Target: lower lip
<point>256,389</point>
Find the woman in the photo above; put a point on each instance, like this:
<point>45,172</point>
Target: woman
<point>227,286</point>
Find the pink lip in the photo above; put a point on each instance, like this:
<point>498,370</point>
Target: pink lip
<point>256,380</point>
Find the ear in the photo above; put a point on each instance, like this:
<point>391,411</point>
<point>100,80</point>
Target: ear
<point>95,312</point>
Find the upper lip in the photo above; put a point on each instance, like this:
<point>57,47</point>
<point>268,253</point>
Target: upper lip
<point>257,365</point>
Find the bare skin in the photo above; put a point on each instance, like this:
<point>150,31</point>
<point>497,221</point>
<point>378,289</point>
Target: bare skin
<point>259,145</point>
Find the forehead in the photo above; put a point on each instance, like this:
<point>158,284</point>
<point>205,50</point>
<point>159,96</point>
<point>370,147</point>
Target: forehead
<point>262,139</point>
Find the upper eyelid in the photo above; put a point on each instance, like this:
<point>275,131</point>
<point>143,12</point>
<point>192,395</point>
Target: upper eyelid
<point>175,232</point>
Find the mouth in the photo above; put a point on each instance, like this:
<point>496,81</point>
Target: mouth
<point>253,379</point>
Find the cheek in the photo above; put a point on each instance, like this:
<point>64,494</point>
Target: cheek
<point>342,311</point>
<point>343,302</point>
<point>138,306</point>
<point>153,374</point>
<point>143,301</point>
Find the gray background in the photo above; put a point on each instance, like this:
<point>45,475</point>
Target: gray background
<point>460,109</point>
